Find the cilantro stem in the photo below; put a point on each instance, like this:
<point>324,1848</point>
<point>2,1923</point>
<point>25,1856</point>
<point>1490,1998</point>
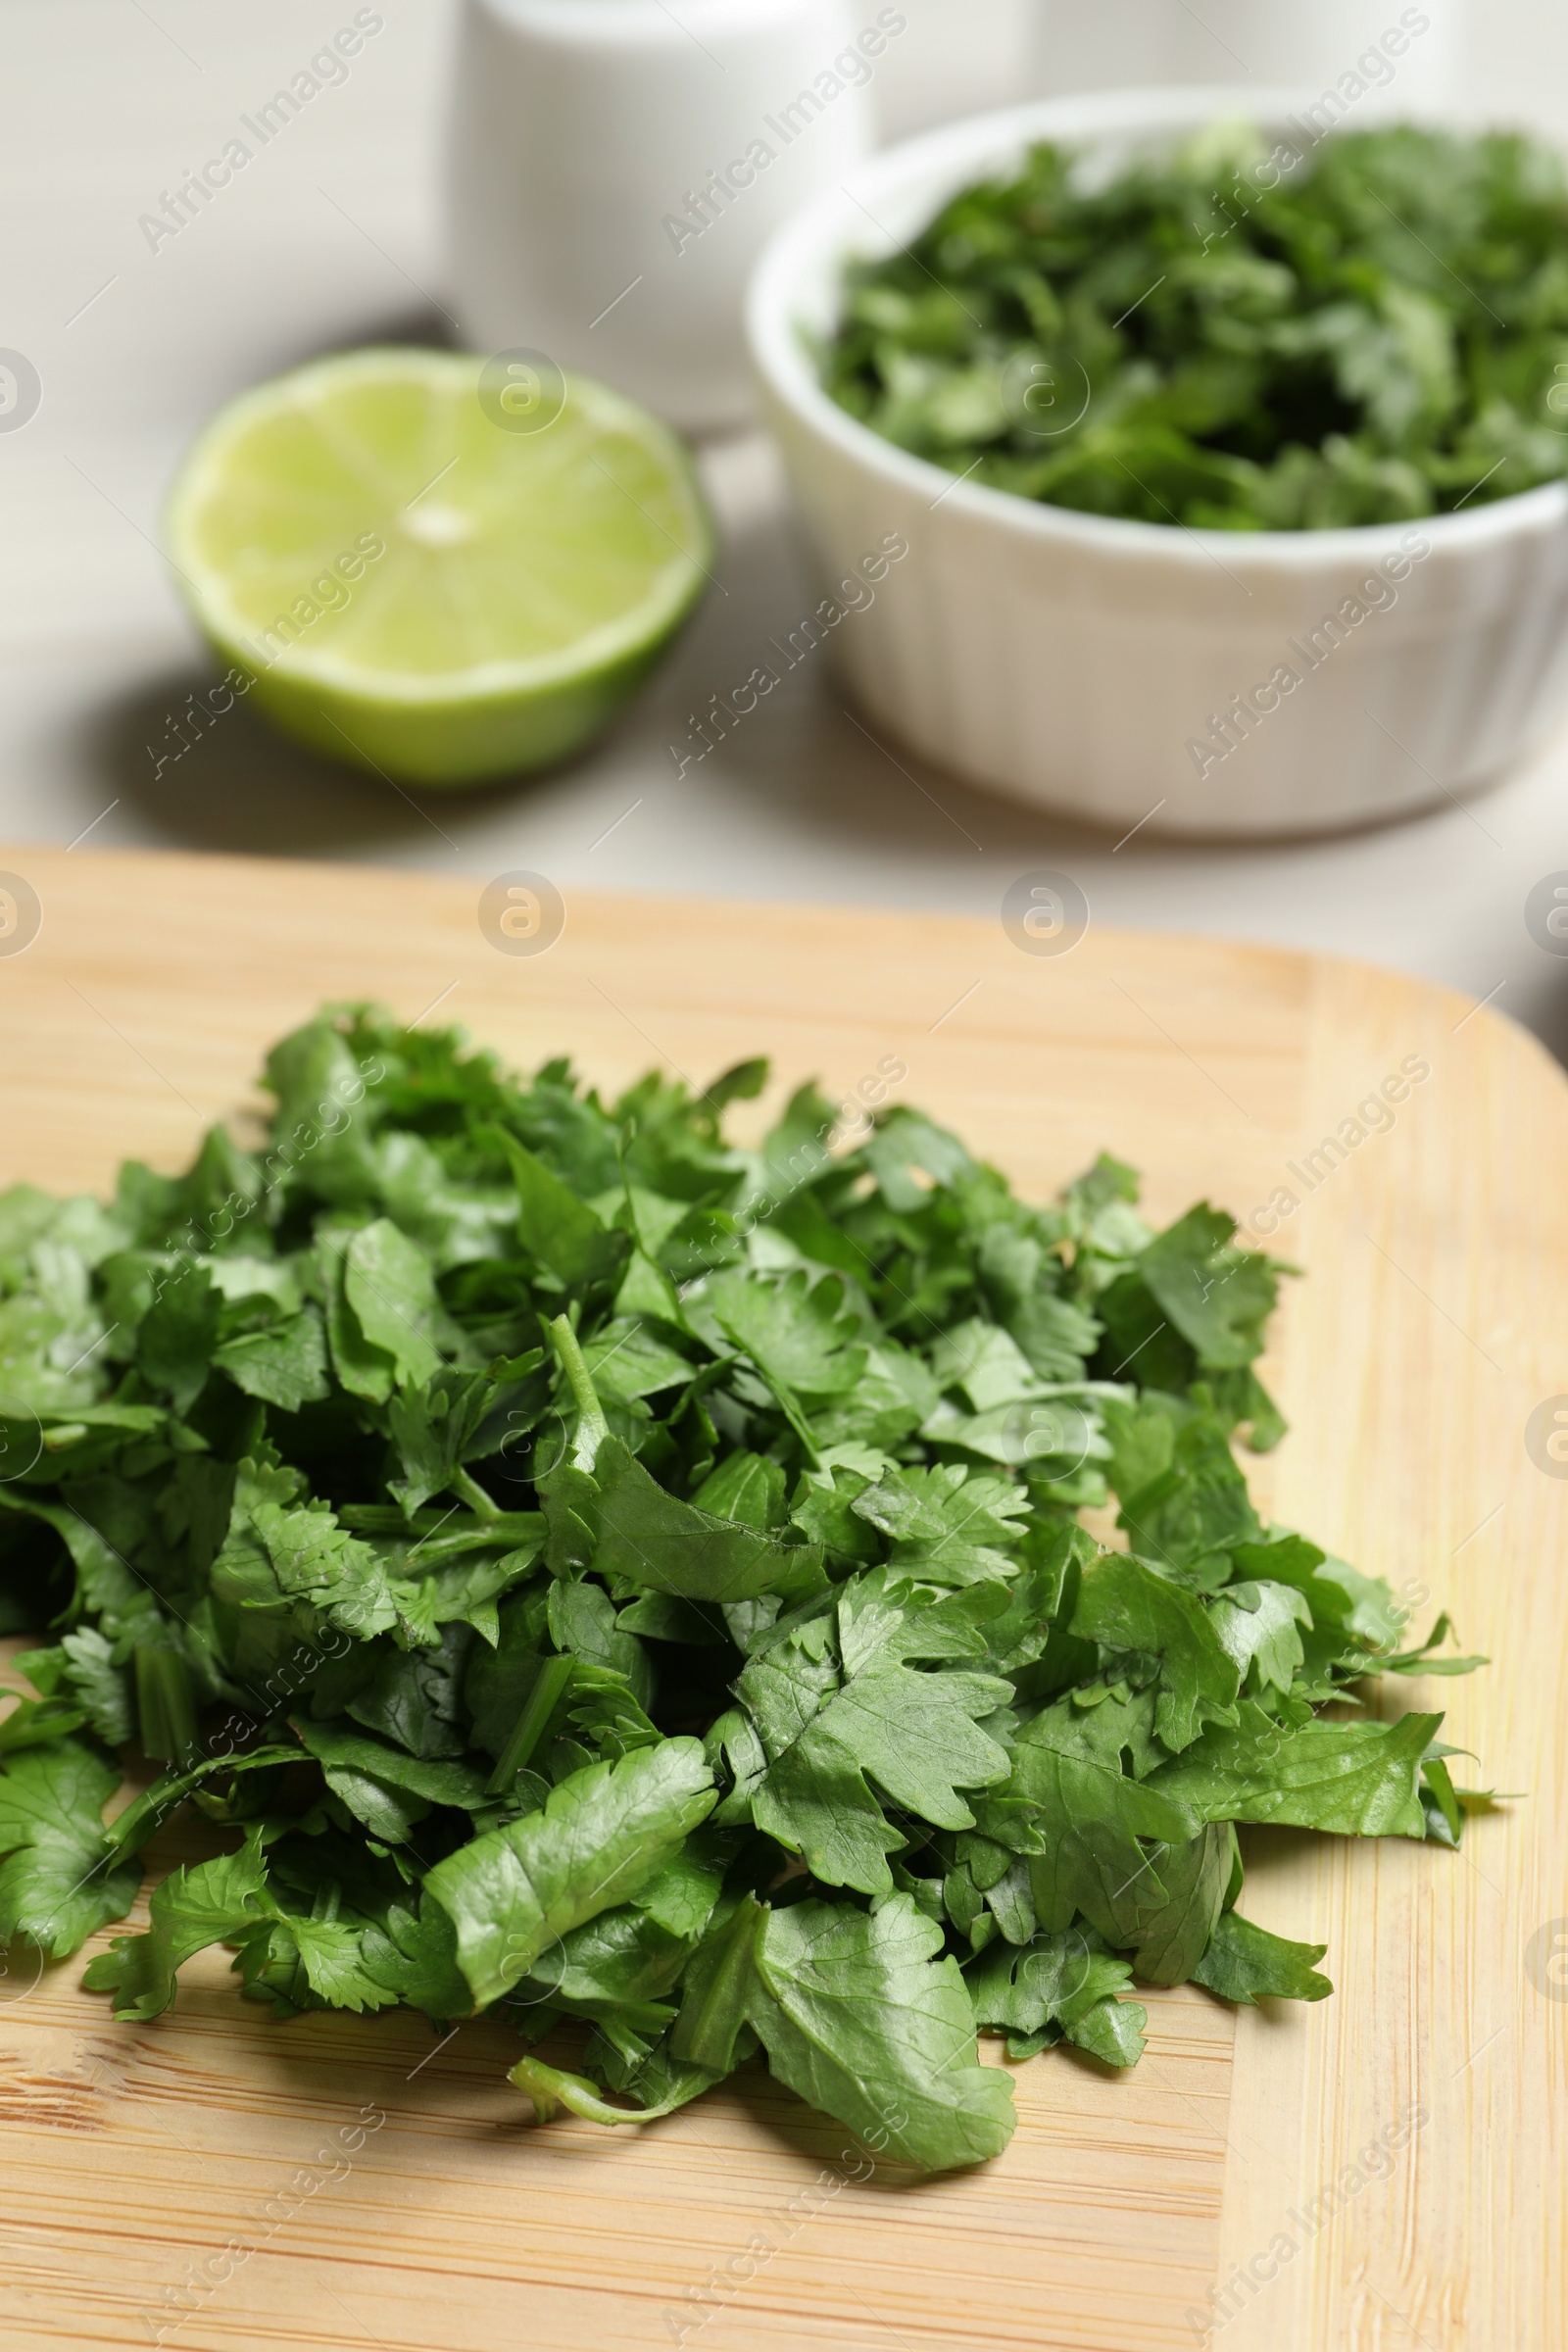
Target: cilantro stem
<point>549,2088</point>
<point>592,1426</point>
<point>164,1707</point>
<point>554,1680</point>
<point>482,1505</point>
<point>704,2034</point>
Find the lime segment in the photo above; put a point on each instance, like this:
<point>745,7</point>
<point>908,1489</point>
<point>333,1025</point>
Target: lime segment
<point>431,580</point>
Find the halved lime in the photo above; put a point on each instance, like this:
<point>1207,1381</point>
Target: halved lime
<point>437,566</point>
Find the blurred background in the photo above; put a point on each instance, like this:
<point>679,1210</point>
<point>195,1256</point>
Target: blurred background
<point>335,238</point>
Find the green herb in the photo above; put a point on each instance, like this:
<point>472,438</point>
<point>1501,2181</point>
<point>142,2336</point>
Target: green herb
<point>576,1568</point>
<point>1241,338</point>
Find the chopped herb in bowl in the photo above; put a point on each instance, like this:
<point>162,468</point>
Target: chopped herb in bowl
<point>1239,337</point>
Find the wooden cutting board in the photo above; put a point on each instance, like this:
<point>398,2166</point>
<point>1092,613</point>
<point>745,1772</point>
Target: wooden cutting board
<point>1431,1322</point>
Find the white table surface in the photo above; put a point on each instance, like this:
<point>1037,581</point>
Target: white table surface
<point>332,237</point>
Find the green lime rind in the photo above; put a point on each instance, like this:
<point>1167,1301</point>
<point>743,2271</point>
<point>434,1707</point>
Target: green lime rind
<point>413,587</point>
<point>451,743</point>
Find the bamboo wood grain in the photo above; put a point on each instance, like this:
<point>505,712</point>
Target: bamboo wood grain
<point>1433,1318</point>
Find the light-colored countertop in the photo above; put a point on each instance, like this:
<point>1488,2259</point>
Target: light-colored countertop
<point>333,238</point>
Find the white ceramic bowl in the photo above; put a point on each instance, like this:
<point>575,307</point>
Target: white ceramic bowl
<point>1083,662</point>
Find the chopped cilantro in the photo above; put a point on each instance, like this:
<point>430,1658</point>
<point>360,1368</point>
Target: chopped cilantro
<point>576,1568</point>
<point>1244,336</point>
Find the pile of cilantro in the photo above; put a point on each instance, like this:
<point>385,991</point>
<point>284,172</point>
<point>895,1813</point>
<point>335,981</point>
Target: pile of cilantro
<point>1243,337</point>
<point>568,1566</point>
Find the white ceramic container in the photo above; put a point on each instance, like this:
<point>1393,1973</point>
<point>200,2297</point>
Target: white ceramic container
<point>1333,46</point>
<point>958,58</point>
<point>1131,671</point>
<point>615,165</point>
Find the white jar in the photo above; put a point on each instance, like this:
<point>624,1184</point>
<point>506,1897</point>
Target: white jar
<point>615,165</point>
<point>1333,45</point>
<point>958,58</point>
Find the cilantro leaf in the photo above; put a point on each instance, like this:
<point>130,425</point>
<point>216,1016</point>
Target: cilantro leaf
<point>1185,1502</point>
<point>1080,1818</point>
<point>1067,1985</point>
<point>284,1365</point>
<point>302,1559</point>
<point>1357,1780</point>
<point>1126,1607</point>
<point>389,1284</point>
<point>858,2014</point>
<point>1217,1297</point>
<point>914,1735</point>
<point>210,1902</point>
<point>1246,1964</point>
<point>1258,1624</point>
<point>514,1892</point>
<point>568,1237</point>
<point>651,1539</point>
<point>61,1877</point>
<point>1174,1933</point>
<point>800,1334</point>
<point>1424,1656</point>
<point>949,1525</point>
<point>383,1786</point>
